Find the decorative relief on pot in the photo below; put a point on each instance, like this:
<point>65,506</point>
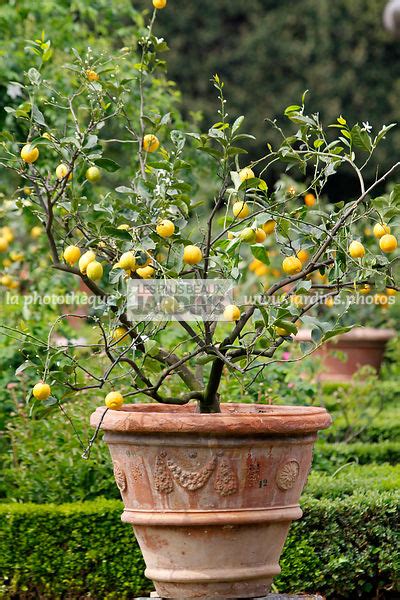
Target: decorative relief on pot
<point>226,482</point>
<point>119,476</point>
<point>253,471</point>
<point>137,471</point>
<point>287,475</point>
<point>192,480</point>
<point>162,477</point>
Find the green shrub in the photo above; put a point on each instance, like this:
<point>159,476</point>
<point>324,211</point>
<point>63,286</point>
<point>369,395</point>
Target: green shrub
<point>343,548</point>
<point>329,457</point>
<point>354,479</point>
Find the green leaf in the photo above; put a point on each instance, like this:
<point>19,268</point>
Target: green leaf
<point>107,164</point>
<point>334,332</point>
<point>260,253</point>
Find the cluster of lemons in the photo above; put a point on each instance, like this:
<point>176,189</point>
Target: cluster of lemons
<point>387,241</point>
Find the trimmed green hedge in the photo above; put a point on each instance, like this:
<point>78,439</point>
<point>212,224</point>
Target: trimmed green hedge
<point>329,457</point>
<point>342,547</point>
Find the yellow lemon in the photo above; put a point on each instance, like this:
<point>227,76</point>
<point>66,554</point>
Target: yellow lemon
<point>309,200</point>
<point>329,302</point>
<point>241,210</point>
<point>391,292</point>
<point>303,255</point>
<point>72,254</point>
<point>291,265</point>
<point>7,233</point>
<point>146,272</point>
<point>159,4</point>
<point>192,255</point>
<point>62,171</point>
<point>356,250</point>
<point>6,280</point>
<point>119,335</point>
<point>388,243</point>
<point>27,190</point>
<point>92,75</point>
<point>261,236</point>
<point>246,174</point>
<point>380,229</point>
<point>85,260</point>
<point>29,154</point>
<point>269,227</point>
<point>127,261</point>
<point>365,289</point>
<point>41,391</point>
<point>151,143</point>
<point>94,270</point>
<point>114,400</point>
<point>231,313</point>
<point>254,264</point>
<point>3,244</point>
<point>93,174</point>
<point>17,256</point>
<point>165,228</point>
<point>231,236</point>
<point>36,232</point>
<point>261,270</point>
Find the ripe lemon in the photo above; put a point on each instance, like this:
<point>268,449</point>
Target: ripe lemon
<point>261,270</point>
<point>6,280</point>
<point>94,270</point>
<point>291,265</point>
<point>246,174</point>
<point>41,391</point>
<point>151,143</point>
<point>85,260</point>
<point>3,244</point>
<point>309,200</point>
<point>329,302</point>
<point>127,261</point>
<point>232,313</point>
<point>165,228</point>
<point>241,210</point>
<point>119,335</point>
<point>365,289</point>
<point>192,255</point>
<point>146,272</point>
<point>16,256</point>
<point>303,255</point>
<point>114,400</point>
<point>269,227</point>
<point>356,250</point>
<point>27,190</point>
<point>93,174</point>
<point>159,4</point>
<point>254,264</point>
<point>36,232</point>
<point>72,254</point>
<point>62,171</point>
<point>380,229</point>
<point>261,236</point>
<point>92,75</point>
<point>388,243</point>
<point>7,233</point>
<point>248,235</point>
<point>29,154</point>
<point>391,292</point>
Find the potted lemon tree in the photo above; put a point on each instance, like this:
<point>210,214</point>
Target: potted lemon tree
<point>209,485</point>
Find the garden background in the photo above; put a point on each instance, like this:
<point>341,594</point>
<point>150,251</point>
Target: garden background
<point>57,510</point>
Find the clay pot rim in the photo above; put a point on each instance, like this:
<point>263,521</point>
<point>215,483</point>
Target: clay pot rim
<point>236,419</point>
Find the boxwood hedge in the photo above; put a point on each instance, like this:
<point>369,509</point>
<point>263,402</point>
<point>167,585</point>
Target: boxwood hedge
<point>344,546</point>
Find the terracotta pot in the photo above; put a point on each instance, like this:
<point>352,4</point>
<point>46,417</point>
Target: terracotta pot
<point>211,497</point>
<point>362,346</point>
